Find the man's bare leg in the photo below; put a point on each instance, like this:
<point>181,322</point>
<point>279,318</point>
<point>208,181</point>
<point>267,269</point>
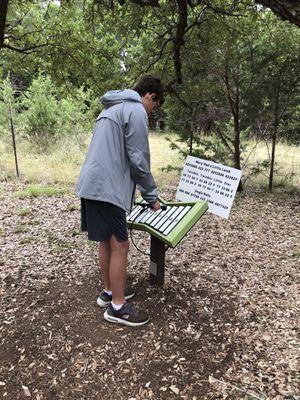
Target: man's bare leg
<point>104,260</point>
<point>117,269</point>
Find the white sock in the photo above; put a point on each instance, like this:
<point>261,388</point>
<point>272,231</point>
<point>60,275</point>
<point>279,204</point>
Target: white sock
<point>116,306</point>
<point>109,292</point>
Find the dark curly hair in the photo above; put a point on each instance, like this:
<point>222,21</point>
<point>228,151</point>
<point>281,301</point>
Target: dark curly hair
<point>150,84</point>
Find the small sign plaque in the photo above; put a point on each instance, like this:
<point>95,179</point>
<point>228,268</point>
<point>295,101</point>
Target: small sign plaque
<point>207,180</point>
<point>153,268</point>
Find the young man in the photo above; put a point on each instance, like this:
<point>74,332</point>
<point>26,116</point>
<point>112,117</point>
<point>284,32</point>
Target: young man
<point>118,159</point>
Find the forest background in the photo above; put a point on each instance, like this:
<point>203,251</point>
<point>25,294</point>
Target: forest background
<point>231,71</point>
<point>226,323</point>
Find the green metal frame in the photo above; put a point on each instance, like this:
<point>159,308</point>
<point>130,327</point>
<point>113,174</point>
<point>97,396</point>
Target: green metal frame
<point>181,229</point>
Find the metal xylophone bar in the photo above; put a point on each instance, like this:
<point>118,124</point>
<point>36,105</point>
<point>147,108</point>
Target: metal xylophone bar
<point>163,221</point>
<point>166,227</point>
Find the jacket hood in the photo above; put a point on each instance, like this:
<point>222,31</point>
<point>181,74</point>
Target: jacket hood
<point>114,97</point>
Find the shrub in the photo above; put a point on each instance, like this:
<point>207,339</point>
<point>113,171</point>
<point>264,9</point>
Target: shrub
<point>47,117</point>
<point>8,107</point>
<point>41,109</point>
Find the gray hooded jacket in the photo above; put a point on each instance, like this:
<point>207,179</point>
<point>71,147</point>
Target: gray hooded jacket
<point>118,157</point>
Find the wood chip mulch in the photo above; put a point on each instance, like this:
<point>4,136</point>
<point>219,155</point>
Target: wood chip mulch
<point>225,325</point>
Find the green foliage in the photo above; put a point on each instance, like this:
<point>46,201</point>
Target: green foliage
<point>41,109</point>
<point>47,117</point>
<point>284,184</point>
<point>277,62</point>
<point>7,93</point>
<point>208,147</point>
<point>8,105</point>
<point>72,42</point>
<point>231,67</point>
<point>3,119</point>
<point>37,190</point>
<point>77,112</point>
<point>289,128</point>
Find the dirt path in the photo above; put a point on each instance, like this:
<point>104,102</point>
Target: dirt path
<point>226,325</point>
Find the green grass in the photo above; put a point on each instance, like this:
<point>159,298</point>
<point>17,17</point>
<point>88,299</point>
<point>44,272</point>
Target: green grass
<point>21,228</point>
<point>61,166</point>
<point>296,254</point>
<point>61,247</point>
<point>76,232</point>
<point>287,163</point>
<point>23,212</point>
<point>26,239</point>
<point>37,190</point>
<point>57,244</point>
<point>161,157</point>
<point>72,207</point>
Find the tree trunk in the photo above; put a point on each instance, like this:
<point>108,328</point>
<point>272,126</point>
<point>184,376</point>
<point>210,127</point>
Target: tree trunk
<point>234,102</point>
<point>3,15</point>
<point>179,37</point>
<point>237,136</point>
<point>191,138</point>
<point>274,137</point>
<point>191,143</point>
<point>237,131</point>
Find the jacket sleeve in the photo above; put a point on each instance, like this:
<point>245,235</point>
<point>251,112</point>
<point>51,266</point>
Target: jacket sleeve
<point>138,152</point>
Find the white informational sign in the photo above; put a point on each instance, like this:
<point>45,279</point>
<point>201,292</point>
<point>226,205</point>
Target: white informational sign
<point>206,180</point>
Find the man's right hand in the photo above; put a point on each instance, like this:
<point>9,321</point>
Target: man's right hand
<point>156,206</point>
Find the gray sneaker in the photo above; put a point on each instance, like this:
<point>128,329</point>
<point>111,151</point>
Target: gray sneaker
<point>104,299</point>
<point>127,315</point>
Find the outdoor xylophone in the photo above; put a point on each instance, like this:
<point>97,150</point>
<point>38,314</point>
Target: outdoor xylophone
<point>167,227</point>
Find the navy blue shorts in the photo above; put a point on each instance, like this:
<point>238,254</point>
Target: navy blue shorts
<point>101,220</point>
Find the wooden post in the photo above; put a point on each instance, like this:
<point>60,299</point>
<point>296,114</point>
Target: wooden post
<point>14,142</point>
<point>274,135</point>
<point>157,262</point>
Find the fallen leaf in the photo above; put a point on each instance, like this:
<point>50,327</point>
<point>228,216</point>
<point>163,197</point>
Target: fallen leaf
<point>174,389</point>
<point>26,391</point>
